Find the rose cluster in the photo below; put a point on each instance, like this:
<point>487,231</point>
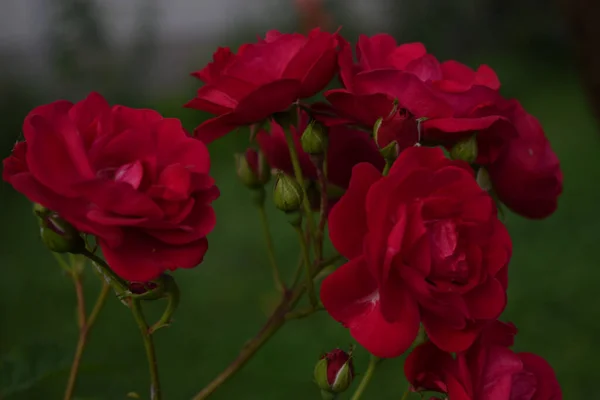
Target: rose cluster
<point>411,155</point>
<point>421,235</point>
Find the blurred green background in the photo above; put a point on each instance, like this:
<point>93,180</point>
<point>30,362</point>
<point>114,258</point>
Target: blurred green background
<point>554,272</point>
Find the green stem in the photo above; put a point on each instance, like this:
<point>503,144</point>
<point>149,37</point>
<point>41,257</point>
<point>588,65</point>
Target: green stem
<point>270,248</point>
<point>307,265</point>
<point>366,378</point>
<point>138,315</point>
<point>386,169</point>
<point>273,324</point>
<point>300,178</point>
<point>303,313</point>
<point>322,178</point>
<point>85,325</point>
<point>118,284</point>
<point>298,270</point>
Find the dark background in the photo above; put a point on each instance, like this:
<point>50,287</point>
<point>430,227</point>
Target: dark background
<point>554,272</point>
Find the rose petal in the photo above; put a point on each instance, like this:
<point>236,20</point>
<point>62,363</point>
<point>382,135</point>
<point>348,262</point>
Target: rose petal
<point>142,258</point>
<point>348,218</point>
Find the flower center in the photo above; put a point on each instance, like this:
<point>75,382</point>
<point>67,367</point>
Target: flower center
<point>131,173</point>
<point>449,264</point>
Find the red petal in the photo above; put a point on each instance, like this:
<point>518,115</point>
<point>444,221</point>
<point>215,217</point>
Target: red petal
<point>486,301</point>
<point>267,100</point>
<point>143,258</point>
<point>487,77</point>
<point>374,52</point>
<point>446,337</point>
<point>427,366</point>
<point>348,218</point>
<point>547,384</point>
<point>412,94</point>
<point>350,296</point>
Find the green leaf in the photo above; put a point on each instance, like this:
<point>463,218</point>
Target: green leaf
<point>24,367</point>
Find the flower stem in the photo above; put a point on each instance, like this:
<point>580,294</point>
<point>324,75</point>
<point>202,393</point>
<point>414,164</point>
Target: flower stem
<point>322,177</point>
<point>366,378</point>
<point>300,178</point>
<point>270,248</point>
<point>85,325</point>
<point>273,324</point>
<point>138,315</point>
<point>307,265</point>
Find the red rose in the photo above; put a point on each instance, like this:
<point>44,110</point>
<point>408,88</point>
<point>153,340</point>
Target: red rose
<point>134,179</point>
<point>262,79</point>
<point>455,102</point>
<point>346,148</point>
<point>424,245</point>
<point>525,173</point>
<point>488,370</point>
<point>403,83</point>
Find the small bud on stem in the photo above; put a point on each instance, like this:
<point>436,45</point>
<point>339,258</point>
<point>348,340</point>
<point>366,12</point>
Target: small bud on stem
<point>57,234</point>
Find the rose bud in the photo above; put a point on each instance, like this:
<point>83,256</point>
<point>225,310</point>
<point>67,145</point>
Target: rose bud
<point>334,373</point>
<point>465,150</point>
<point>288,194</point>
<point>57,234</point>
<point>252,168</point>
<point>314,139</point>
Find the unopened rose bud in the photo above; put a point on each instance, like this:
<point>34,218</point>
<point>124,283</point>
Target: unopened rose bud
<point>465,150</point>
<point>288,194</point>
<point>334,372</point>
<point>57,234</point>
<point>252,168</point>
<point>314,139</point>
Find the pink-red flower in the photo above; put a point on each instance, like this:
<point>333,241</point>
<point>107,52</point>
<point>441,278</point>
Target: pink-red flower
<point>452,102</point>
<point>424,245</point>
<point>263,78</point>
<point>488,370</point>
<point>129,176</point>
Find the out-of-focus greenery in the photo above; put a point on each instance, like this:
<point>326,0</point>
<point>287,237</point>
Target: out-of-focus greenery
<point>552,293</point>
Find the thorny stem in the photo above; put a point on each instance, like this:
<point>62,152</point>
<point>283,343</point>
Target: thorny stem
<point>366,378</point>
<point>138,315</point>
<point>85,325</point>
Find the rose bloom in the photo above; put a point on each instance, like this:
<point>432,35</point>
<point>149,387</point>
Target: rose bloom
<point>454,102</point>
<point>424,244</point>
<point>488,370</point>
<point>346,148</point>
<point>263,78</point>
<point>129,176</point>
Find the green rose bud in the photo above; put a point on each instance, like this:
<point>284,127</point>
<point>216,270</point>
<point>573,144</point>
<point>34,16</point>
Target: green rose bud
<point>252,168</point>
<point>465,150</point>
<point>314,139</point>
<point>57,234</point>
<point>288,194</point>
